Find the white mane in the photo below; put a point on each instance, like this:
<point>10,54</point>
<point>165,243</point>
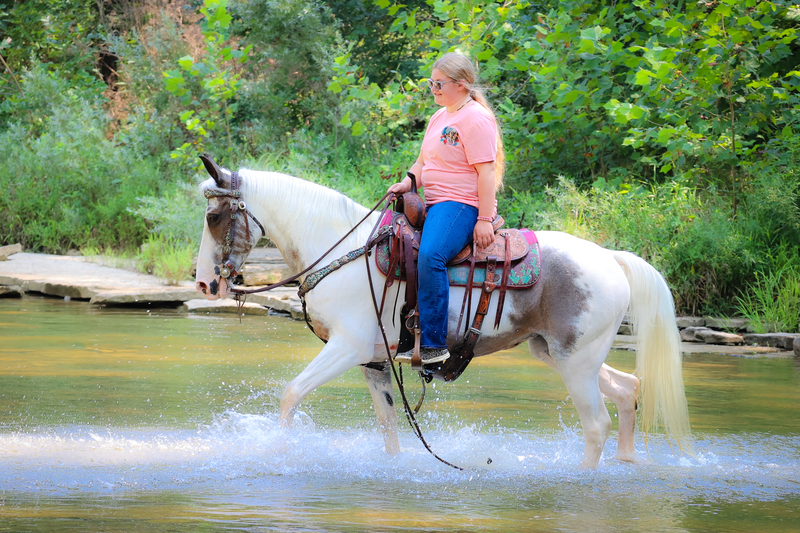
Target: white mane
<point>305,210</point>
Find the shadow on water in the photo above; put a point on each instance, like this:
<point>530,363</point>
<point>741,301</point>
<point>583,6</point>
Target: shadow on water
<point>155,420</point>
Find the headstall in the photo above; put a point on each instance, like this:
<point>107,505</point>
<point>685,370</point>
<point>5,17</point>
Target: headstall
<point>227,269</point>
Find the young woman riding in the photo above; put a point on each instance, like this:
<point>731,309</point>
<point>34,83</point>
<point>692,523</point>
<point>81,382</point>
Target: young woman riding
<point>460,166</point>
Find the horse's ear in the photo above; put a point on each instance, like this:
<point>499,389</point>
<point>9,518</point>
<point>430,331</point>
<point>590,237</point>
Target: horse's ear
<point>213,169</point>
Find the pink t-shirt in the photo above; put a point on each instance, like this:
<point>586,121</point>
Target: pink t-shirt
<point>453,144</point>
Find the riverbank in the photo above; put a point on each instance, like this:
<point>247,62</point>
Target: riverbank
<point>77,277</point>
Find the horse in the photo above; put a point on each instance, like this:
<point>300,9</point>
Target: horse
<point>569,317</point>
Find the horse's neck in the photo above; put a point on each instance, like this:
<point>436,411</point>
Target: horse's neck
<point>303,219</point>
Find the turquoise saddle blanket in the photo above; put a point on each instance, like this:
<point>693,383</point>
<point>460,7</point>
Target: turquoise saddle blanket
<point>524,273</point>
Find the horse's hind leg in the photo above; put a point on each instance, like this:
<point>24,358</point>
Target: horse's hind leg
<point>580,372</point>
<point>380,387</point>
<point>623,390</point>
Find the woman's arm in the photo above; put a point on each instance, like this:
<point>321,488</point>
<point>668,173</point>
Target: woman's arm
<point>483,233</point>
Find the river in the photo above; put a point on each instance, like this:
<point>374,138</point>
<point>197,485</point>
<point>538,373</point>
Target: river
<point>121,419</point>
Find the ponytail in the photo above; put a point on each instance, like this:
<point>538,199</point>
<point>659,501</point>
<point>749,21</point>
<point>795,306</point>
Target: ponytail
<point>460,68</point>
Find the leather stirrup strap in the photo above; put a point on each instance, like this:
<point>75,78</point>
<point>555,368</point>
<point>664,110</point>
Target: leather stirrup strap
<point>411,272</point>
<point>466,350</point>
<point>503,284</point>
<point>468,293</point>
<point>394,258</point>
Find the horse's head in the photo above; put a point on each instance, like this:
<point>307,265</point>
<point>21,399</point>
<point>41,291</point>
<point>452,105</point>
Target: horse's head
<point>230,232</point>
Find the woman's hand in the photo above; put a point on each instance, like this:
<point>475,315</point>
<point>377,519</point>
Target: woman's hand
<point>401,187</point>
<point>483,233</point>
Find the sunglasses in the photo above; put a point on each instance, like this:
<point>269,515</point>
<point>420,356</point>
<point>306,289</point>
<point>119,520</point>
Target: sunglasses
<point>433,84</point>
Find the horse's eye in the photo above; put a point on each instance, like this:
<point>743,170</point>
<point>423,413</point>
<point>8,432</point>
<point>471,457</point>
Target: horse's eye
<point>212,218</point>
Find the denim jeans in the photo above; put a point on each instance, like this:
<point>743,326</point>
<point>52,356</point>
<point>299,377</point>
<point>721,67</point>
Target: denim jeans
<point>448,229</point>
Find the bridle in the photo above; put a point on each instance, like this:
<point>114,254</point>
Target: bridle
<point>227,269</point>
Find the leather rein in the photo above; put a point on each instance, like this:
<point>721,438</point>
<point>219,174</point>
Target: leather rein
<point>229,271</point>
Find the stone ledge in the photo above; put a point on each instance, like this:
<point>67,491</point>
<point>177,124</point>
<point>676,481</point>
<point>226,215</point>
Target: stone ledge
<point>776,340</point>
<point>14,291</point>
<point>9,250</point>
<point>628,342</point>
<point>224,306</point>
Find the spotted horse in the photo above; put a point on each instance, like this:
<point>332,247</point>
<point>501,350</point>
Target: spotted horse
<point>568,318</point>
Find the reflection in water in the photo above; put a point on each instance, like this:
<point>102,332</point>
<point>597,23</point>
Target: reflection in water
<point>119,419</point>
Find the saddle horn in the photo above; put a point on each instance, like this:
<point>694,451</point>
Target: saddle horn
<point>213,169</point>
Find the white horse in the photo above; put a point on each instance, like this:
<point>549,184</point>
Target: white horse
<point>569,318</point>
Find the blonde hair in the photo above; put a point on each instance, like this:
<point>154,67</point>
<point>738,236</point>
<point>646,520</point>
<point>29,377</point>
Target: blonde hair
<point>460,68</point>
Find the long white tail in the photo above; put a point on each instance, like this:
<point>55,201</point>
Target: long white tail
<point>658,351</point>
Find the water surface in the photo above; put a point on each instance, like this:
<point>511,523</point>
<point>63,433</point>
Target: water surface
<point>156,420</point>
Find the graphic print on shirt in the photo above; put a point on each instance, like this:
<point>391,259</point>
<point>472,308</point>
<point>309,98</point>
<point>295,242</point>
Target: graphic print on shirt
<point>450,136</point>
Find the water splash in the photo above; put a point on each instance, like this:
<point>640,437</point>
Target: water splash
<point>245,448</point>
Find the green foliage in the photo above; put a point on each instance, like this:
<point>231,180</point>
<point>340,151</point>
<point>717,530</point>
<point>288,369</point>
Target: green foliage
<point>772,301</point>
<point>381,53</point>
<point>167,259</point>
<point>212,84</point>
<point>706,255</point>
<point>294,43</point>
<point>175,215</point>
<point>65,183</point>
<point>51,31</point>
<point>586,91</point>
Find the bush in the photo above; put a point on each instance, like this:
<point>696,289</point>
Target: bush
<point>66,184</point>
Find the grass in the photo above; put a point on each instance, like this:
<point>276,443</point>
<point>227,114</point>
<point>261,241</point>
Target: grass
<point>772,302</point>
<point>167,258</point>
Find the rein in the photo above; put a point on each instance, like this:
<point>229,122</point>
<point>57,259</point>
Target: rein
<point>229,271</point>
<point>412,419</point>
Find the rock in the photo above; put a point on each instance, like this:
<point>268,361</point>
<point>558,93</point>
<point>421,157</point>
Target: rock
<point>62,276</point>
<point>690,321</point>
<point>265,266</point>
<point>709,336</point>
<point>264,274</point>
<point>3,257</point>
<point>625,329</point>
<point>689,334</point>
<point>285,301</point>
<point>776,340</point>
<point>223,306</point>
<point>133,296</point>
<point>14,291</point>
<point>737,324</point>
<point>796,346</point>
<point>10,249</point>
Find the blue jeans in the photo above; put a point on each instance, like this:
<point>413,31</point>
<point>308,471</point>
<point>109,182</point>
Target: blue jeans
<point>448,229</point>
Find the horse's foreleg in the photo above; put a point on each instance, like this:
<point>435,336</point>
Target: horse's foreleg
<point>337,357</point>
<point>623,390</point>
<point>380,387</point>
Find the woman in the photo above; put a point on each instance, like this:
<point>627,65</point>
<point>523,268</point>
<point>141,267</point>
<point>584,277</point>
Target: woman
<point>460,166</point>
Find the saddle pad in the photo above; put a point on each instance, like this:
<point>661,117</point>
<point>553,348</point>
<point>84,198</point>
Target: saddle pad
<point>525,272</point>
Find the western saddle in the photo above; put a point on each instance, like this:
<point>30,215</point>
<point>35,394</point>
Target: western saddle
<point>509,247</point>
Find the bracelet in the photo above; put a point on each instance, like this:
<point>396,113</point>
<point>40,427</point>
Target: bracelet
<point>487,219</point>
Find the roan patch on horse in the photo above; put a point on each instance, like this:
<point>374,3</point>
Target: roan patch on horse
<point>569,318</point>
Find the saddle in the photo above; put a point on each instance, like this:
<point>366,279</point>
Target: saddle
<point>511,262</point>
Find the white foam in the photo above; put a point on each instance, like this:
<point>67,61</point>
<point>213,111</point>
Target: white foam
<point>241,447</point>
